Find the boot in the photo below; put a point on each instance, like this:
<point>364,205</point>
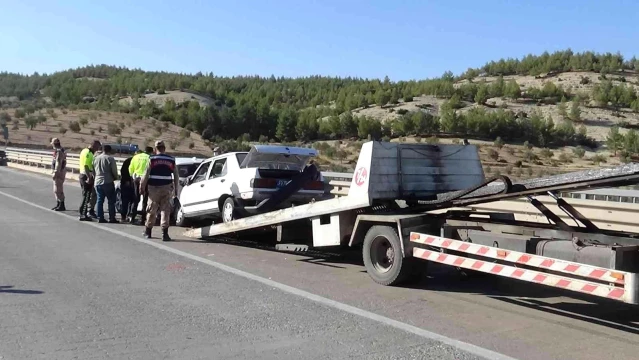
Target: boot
<point>56,207</point>
<point>147,233</point>
<point>165,235</point>
<point>61,206</point>
<point>93,214</point>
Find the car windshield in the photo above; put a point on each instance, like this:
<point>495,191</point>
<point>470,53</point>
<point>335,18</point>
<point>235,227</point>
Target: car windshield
<point>187,169</point>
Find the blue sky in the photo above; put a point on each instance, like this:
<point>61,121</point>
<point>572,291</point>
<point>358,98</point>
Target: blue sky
<point>401,39</point>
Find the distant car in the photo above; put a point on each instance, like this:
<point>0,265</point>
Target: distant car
<point>244,179</point>
<point>186,167</point>
<point>124,148</point>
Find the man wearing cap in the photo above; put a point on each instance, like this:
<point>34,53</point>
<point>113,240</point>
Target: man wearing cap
<point>59,166</point>
<point>137,169</point>
<point>162,178</point>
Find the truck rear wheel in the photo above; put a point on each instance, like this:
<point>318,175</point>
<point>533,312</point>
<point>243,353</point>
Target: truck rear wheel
<point>383,257</point>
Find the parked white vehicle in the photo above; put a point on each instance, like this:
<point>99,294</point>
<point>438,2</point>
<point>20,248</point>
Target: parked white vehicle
<point>226,185</point>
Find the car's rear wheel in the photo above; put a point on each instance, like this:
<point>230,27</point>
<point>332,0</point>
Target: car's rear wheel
<point>228,210</point>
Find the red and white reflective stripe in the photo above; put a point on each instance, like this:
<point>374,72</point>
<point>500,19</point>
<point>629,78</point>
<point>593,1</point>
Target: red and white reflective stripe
<point>607,291</point>
<point>569,267</point>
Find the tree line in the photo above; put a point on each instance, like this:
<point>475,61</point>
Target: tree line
<point>626,146</point>
<point>291,108</point>
<point>559,61</point>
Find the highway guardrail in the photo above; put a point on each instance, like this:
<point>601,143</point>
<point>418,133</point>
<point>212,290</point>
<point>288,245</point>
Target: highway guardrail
<point>605,214</point>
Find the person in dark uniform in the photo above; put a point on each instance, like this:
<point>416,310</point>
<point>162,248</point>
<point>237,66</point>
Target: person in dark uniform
<point>126,190</point>
<point>59,166</point>
<point>162,178</point>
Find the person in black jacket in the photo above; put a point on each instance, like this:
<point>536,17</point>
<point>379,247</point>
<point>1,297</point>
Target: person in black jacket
<point>126,190</point>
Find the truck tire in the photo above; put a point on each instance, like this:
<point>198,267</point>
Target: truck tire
<point>383,258</point>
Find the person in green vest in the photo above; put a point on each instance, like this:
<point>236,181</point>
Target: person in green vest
<point>87,181</point>
<point>137,169</point>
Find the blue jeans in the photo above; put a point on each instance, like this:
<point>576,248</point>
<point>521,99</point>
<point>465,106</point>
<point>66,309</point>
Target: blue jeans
<point>108,191</point>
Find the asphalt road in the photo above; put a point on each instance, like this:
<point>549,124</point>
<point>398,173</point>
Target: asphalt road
<point>70,289</point>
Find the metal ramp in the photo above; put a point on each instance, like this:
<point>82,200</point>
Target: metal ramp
<point>501,188</point>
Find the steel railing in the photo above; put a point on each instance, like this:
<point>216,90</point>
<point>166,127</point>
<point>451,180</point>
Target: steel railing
<point>337,183</point>
<point>606,214</point>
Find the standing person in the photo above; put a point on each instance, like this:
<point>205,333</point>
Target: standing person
<point>162,178</point>
<point>87,179</point>
<point>106,172</point>
<point>126,190</point>
<point>137,168</point>
<point>59,166</point>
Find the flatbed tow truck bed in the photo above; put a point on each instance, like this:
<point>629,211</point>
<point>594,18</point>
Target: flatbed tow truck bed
<point>396,237</point>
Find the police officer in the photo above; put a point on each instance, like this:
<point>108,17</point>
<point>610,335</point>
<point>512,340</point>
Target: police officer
<point>87,179</point>
<point>137,168</point>
<point>162,178</point>
<point>59,166</point>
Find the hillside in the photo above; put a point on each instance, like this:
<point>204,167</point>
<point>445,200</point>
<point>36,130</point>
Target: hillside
<point>571,103</point>
<point>108,127</point>
<point>596,119</point>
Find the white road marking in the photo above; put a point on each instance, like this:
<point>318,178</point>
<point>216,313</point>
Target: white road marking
<point>470,348</point>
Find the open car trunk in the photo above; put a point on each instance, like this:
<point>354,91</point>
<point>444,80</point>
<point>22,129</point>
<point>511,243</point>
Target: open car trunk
<point>278,161</point>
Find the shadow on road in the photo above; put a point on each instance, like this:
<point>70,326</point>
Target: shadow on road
<point>325,257</point>
<point>446,279</point>
<point>573,305</point>
<point>11,290</point>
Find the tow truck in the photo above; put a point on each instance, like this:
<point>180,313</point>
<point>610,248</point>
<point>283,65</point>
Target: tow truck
<point>408,203</point>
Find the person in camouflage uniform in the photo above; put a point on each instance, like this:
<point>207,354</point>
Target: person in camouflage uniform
<point>59,166</point>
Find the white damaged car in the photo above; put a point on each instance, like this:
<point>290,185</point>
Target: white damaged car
<point>231,185</point>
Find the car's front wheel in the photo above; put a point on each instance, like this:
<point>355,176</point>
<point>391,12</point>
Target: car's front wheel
<point>118,201</point>
<point>180,219</point>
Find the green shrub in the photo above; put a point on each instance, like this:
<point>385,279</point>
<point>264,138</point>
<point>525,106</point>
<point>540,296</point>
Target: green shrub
<point>579,152</point>
<point>74,126</point>
<point>565,158</point>
<point>113,129</point>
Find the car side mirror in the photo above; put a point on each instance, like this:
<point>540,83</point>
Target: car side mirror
<point>189,180</point>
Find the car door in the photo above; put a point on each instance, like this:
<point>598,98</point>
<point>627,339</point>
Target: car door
<point>191,195</point>
<point>216,184</point>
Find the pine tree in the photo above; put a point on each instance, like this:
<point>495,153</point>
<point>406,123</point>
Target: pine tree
<point>562,108</point>
<point>631,141</point>
<point>512,89</point>
<point>482,95</point>
<point>286,125</point>
<point>575,111</point>
<point>614,140</point>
